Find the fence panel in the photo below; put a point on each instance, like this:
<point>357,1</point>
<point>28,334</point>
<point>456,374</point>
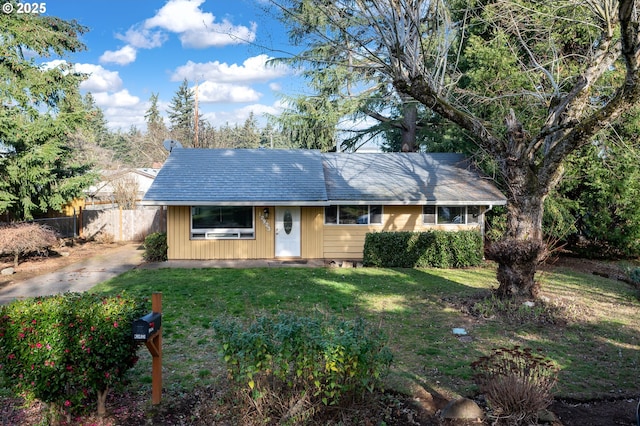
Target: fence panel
<point>64,226</point>
<point>123,225</point>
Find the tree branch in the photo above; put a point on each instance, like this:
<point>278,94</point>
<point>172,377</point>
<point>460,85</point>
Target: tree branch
<point>625,97</point>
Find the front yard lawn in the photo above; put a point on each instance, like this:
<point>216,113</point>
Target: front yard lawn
<point>590,326</point>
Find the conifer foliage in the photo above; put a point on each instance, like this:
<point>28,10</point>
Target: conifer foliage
<point>41,106</point>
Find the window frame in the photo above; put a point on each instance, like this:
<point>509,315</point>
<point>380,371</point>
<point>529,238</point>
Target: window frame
<point>223,233</point>
<point>357,222</point>
<point>466,213</point>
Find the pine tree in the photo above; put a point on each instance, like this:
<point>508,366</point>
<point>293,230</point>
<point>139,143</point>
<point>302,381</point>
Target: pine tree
<point>181,115</point>
<point>40,108</point>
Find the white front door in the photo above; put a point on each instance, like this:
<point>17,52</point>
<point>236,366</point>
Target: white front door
<point>287,231</point>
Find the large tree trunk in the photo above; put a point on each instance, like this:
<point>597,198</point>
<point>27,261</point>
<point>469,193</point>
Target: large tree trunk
<point>522,250</point>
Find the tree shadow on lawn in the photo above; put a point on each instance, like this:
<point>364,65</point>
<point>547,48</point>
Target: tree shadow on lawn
<point>411,305</point>
<point>408,304</point>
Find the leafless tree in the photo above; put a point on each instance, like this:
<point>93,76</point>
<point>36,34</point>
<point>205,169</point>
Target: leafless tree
<point>125,191</point>
<point>20,239</point>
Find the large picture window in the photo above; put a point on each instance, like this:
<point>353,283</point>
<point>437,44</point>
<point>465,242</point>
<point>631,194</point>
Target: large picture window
<point>450,215</point>
<point>353,215</point>
<point>222,222</point>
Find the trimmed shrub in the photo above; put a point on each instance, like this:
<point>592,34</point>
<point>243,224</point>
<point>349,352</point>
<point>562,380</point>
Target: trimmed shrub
<point>290,367</point>
<point>439,249</point>
<point>62,349</point>
<point>516,383</point>
<point>155,247</point>
<point>21,239</point>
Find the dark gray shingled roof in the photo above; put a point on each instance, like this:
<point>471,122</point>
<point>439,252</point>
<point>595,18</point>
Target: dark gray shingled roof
<point>406,178</point>
<point>239,176</point>
<point>306,177</point>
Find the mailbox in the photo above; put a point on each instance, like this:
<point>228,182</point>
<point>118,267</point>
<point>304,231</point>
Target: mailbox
<point>146,326</point>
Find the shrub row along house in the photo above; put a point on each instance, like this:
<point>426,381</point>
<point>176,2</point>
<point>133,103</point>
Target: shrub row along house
<point>304,204</point>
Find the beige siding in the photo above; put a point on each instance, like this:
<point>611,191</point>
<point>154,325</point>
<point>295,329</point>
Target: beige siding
<point>182,247</point>
<point>347,241</point>
<point>318,241</point>
<point>312,232</point>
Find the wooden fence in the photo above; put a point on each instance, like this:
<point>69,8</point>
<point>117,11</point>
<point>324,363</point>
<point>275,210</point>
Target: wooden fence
<point>117,224</point>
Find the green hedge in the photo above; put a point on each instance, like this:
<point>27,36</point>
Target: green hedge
<point>431,249</point>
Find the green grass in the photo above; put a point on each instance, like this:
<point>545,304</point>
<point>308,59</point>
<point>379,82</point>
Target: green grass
<point>598,350</point>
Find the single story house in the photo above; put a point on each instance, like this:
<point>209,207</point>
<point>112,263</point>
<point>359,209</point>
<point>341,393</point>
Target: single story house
<point>306,204</point>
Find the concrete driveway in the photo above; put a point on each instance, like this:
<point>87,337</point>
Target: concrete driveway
<point>77,277</point>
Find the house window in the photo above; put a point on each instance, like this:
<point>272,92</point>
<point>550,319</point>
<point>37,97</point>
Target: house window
<point>353,215</point>
<point>473,214</point>
<point>222,222</point>
<point>450,215</point>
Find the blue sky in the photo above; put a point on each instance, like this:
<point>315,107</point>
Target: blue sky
<point>136,48</point>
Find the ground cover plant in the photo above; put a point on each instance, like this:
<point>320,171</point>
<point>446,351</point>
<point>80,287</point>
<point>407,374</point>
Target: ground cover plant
<point>586,324</point>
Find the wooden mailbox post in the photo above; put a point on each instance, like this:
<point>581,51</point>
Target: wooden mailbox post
<point>148,329</point>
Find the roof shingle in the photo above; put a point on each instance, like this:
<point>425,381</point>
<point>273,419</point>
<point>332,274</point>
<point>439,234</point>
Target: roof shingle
<point>308,177</point>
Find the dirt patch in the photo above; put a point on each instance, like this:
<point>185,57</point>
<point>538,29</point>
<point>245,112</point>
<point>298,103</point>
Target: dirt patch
<point>606,269</point>
<point>55,259</point>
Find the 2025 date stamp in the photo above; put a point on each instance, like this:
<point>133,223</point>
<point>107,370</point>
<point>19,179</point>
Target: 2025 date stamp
<point>24,8</point>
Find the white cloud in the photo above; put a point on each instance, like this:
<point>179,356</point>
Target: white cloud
<point>49,65</point>
<point>143,38</point>
<point>254,69</point>
<point>100,79</point>
<point>217,35</point>
<point>124,56</point>
<point>125,118</point>
<point>121,109</point>
<point>119,99</point>
<point>209,92</point>
<point>196,28</point>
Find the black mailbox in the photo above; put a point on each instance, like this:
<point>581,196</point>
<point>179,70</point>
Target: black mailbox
<point>146,326</point>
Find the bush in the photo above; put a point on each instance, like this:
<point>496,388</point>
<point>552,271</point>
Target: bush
<point>290,367</point>
<point>155,247</point>
<point>61,349</point>
<point>516,383</point>
<point>20,239</point>
<point>439,249</point>
<point>634,276</point>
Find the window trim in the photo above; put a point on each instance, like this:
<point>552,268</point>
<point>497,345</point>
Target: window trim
<point>234,233</point>
<point>368,215</point>
<point>466,214</point>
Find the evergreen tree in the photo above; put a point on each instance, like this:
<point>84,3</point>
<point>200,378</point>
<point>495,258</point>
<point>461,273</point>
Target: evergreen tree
<point>181,115</point>
<point>152,146</point>
<point>600,191</point>
<point>40,108</point>
<point>155,122</point>
<point>249,134</point>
